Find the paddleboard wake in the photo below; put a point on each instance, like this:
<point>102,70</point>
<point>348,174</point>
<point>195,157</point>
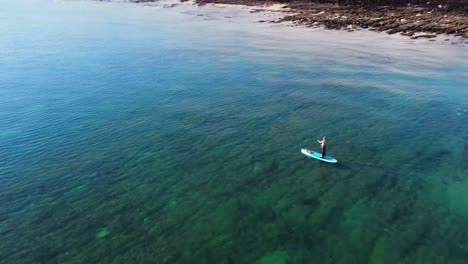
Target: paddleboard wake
<point>317,155</point>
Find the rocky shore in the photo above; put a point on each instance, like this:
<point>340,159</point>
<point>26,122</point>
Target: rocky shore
<point>417,20</point>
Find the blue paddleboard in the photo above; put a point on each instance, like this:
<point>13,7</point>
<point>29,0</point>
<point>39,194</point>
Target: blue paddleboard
<point>316,155</point>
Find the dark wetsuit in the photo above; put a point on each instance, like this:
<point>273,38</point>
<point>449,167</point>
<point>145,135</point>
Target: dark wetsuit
<point>324,150</point>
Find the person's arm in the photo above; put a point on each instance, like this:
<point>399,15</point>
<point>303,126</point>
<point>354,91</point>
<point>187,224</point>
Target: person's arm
<point>319,141</point>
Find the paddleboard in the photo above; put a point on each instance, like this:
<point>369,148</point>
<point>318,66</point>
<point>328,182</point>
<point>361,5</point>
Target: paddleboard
<point>316,155</point>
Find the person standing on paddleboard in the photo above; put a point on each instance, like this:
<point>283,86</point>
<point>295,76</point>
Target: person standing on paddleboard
<point>323,146</point>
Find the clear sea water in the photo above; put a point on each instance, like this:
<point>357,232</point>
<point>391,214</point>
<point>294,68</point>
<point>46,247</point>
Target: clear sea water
<point>133,133</point>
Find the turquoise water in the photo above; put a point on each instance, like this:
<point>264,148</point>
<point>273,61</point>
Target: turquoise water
<point>139,134</point>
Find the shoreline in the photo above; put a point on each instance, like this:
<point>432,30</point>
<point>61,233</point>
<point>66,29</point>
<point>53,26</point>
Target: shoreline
<point>411,21</point>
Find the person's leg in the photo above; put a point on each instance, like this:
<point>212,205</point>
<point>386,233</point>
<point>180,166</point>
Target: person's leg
<point>324,150</point>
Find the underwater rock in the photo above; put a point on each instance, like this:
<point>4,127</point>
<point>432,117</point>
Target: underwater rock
<point>276,257</point>
<point>258,168</point>
<point>103,232</point>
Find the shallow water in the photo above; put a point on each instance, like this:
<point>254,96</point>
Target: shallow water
<point>140,134</point>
